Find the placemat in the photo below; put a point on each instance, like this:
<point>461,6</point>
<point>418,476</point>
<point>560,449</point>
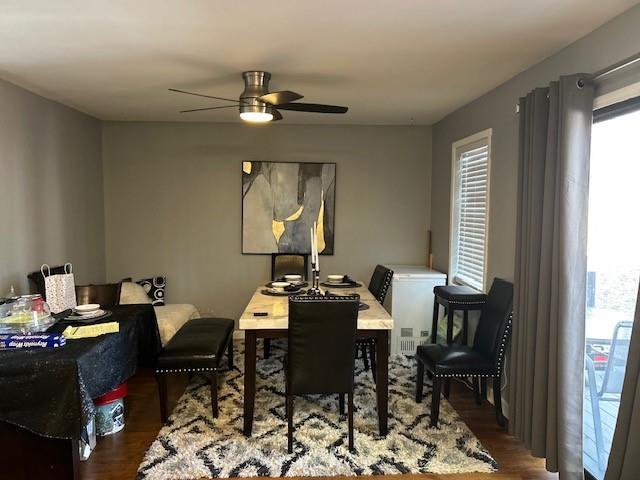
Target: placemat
<point>341,285</point>
<point>301,285</point>
<point>84,320</point>
<point>280,294</point>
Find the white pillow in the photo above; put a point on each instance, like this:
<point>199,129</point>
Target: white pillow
<point>172,317</point>
<point>132,293</point>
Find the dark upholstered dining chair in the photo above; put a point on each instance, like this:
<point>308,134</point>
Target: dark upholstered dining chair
<point>107,295</point>
<point>378,286</point>
<point>484,360</point>
<point>289,264</point>
<point>320,358</point>
<point>380,282</point>
<point>286,264</point>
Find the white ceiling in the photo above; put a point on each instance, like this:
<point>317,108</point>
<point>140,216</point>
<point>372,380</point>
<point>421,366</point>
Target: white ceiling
<point>390,61</point>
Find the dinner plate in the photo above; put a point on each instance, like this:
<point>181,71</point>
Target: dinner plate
<point>84,319</point>
<point>87,316</point>
<point>341,285</point>
<point>277,293</point>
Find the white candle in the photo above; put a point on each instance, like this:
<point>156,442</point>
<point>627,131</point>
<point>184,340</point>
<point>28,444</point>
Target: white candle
<point>313,257</point>
<point>315,236</point>
<point>315,244</point>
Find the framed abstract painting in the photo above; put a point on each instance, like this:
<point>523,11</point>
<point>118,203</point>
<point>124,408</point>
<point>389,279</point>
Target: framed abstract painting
<point>280,203</point>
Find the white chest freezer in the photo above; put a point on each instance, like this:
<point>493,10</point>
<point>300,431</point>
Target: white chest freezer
<point>411,305</point>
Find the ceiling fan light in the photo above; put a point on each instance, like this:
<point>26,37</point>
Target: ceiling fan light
<point>256,117</point>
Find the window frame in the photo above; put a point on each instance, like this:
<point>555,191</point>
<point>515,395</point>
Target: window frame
<point>457,149</point>
<point>615,103</point>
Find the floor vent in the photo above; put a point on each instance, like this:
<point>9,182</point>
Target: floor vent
<point>407,345</point>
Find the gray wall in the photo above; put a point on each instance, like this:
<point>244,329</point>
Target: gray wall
<point>51,195</point>
<point>612,42</point>
<point>173,201</point>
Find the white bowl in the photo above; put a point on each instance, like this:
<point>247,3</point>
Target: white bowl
<point>335,278</point>
<point>279,286</point>
<point>88,308</point>
<point>293,278</point>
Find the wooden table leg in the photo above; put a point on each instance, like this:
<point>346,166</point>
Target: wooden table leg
<point>31,456</point>
<point>249,379</point>
<point>382,382</point>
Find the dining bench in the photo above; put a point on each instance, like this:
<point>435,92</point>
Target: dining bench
<point>196,348</point>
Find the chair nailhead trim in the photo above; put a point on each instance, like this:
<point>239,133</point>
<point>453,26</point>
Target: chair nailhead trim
<point>451,375</point>
<point>316,298</point>
<point>457,302</point>
<point>504,337</point>
<point>179,370</point>
<point>385,286</point>
<point>503,343</point>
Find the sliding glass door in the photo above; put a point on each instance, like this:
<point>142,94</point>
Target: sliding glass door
<point>613,272</point>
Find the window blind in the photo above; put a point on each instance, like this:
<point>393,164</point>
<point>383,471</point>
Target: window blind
<point>471,212</point>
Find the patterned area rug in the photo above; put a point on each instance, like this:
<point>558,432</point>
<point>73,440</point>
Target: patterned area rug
<point>194,445</point>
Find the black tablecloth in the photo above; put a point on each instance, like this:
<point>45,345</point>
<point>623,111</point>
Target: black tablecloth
<point>49,391</point>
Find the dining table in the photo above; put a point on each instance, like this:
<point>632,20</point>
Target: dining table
<point>46,393</point>
<point>267,317</point>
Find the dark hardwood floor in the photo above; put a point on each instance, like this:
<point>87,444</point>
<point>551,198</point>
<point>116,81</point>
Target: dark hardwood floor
<point>117,457</point>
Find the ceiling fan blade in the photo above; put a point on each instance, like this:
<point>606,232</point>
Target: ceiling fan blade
<point>276,115</point>
<point>277,98</point>
<point>207,108</point>
<point>203,95</point>
<point>313,107</point>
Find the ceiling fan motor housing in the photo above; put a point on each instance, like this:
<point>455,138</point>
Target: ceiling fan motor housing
<point>256,84</point>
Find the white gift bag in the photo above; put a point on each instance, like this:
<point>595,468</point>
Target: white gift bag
<point>60,289</point>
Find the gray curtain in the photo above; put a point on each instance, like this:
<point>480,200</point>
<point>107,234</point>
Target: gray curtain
<point>547,349</point>
<point>624,460</point>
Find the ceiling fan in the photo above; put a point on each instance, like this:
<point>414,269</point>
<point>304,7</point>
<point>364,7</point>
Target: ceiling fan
<point>258,104</point>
